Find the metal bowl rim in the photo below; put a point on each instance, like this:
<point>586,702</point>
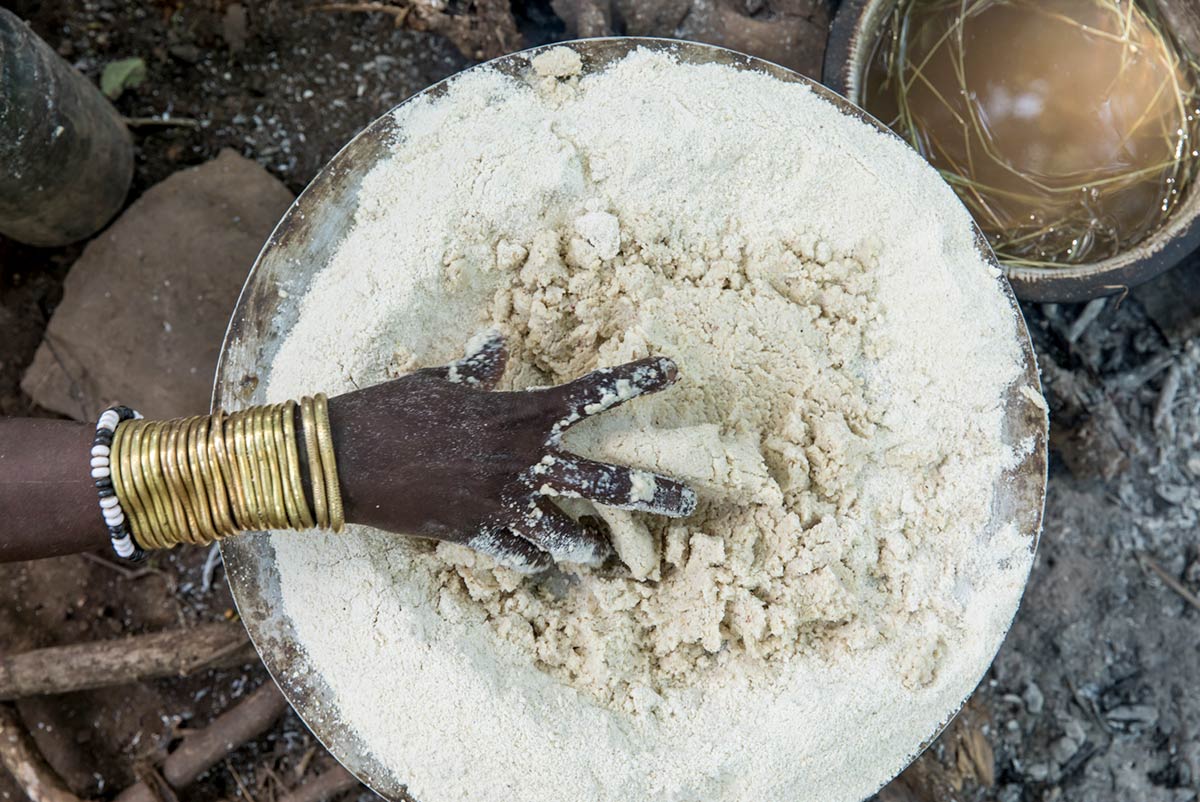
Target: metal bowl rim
<point>247,556</point>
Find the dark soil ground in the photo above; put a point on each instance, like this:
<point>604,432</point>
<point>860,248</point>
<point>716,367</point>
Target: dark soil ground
<point>289,90</point>
<point>1094,696</point>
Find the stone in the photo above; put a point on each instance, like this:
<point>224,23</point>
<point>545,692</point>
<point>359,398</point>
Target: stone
<point>1009,793</point>
<point>187,53</point>
<point>1173,301</point>
<point>145,308</point>
<point>788,32</point>
<point>1034,700</point>
<point>1073,729</point>
<point>234,27</point>
<point>1064,749</point>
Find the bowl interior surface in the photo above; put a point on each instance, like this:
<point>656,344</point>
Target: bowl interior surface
<point>852,38</point>
<point>303,243</point>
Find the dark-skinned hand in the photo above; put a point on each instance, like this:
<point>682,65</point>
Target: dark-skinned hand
<point>440,454</point>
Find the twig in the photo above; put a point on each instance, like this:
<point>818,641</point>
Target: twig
<point>302,766</point>
<point>201,750</point>
<point>150,776</point>
<point>127,573</point>
<point>210,568</point>
<point>25,763</point>
<point>1166,398</point>
<point>1086,318</point>
<point>271,782</point>
<point>174,653</point>
<point>1170,581</point>
<point>1128,382</point>
<point>149,122</point>
<point>204,748</point>
<point>322,787</point>
<point>1088,706</point>
<point>237,778</point>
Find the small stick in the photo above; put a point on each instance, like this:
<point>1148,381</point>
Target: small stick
<point>173,653</point>
<point>237,778</point>
<point>25,763</point>
<point>147,122</point>
<point>1166,398</point>
<point>302,766</point>
<point>1134,379</point>
<point>210,568</point>
<point>271,782</point>
<point>1170,581</point>
<point>1086,318</point>
<point>204,748</point>
<point>322,787</point>
<point>126,573</point>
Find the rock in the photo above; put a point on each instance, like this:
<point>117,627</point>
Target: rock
<point>145,308</point>
<point>1074,730</point>
<point>1173,301</point>
<point>188,53</point>
<point>1064,749</point>
<point>787,32</point>
<point>234,27</point>
<point>1009,793</point>
<point>1034,700</point>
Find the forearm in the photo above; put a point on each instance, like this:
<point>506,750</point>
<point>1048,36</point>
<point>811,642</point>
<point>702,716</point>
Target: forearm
<point>46,493</point>
<point>174,481</point>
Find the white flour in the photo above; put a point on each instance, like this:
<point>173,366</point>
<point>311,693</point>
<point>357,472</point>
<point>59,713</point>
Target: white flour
<point>844,353</point>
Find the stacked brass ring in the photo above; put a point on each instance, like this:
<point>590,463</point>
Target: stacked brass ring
<point>201,479</point>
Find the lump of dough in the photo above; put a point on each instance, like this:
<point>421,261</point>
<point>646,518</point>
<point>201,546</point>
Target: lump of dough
<point>602,231</point>
<point>721,469</point>
<point>718,467</point>
<point>635,544</point>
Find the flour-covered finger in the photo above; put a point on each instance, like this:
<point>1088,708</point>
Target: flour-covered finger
<point>483,365</point>
<point>564,538</point>
<point>511,550</point>
<point>612,485</point>
<point>606,388</point>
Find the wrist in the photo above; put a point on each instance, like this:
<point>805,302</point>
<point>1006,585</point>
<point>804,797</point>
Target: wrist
<point>344,435</point>
<point>197,480</point>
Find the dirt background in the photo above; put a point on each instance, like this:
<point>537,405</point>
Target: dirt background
<point>1094,695</point>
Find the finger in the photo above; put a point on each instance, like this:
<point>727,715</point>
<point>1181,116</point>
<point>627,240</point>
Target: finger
<point>510,550</point>
<point>606,388</point>
<point>566,540</point>
<point>611,485</point>
<point>483,365</point>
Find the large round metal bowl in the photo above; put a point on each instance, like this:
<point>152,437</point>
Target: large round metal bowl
<point>851,40</point>
<point>302,245</point>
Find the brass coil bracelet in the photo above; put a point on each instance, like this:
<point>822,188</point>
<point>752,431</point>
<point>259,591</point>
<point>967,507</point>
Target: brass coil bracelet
<point>197,480</point>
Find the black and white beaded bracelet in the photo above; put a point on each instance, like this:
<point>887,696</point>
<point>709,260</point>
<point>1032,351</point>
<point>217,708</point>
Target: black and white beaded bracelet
<point>110,506</point>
